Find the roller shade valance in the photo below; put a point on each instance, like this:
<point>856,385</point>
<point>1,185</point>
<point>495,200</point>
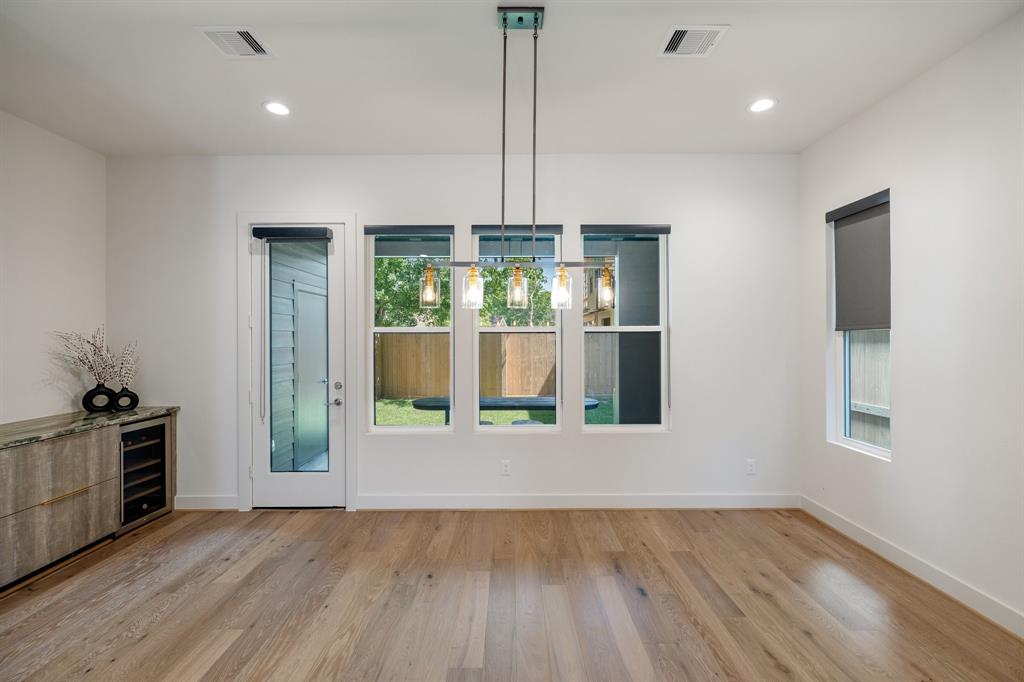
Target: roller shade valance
<point>408,230</point>
<point>517,230</point>
<point>625,229</point>
<point>292,234</point>
<point>862,269</point>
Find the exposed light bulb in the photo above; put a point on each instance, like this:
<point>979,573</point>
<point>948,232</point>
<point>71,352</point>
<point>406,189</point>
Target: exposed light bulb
<point>429,297</point>
<point>561,290</point>
<point>606,291</point>
<point>518,289</point>
<point>472,289</point>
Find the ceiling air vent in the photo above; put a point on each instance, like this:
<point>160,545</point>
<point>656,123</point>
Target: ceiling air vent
<point>692,41</point>
<point>236,42</point>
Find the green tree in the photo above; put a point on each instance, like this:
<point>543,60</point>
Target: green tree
<point>495,311</point>
<point>397,294</point>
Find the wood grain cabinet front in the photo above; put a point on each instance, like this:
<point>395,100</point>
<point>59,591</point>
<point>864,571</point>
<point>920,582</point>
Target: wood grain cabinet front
<point>35,473</point>
<point>39,535</point>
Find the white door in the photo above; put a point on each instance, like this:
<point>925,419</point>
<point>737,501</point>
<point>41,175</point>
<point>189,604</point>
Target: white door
<point>298,456</point>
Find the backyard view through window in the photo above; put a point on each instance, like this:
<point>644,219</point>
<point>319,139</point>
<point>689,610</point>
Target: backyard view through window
<point>411,344</point>
<point>623,333</point>
<point>518,347</point>
<point>867,386</point>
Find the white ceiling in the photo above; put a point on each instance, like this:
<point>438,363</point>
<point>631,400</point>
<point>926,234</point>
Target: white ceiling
<point>130,77</point>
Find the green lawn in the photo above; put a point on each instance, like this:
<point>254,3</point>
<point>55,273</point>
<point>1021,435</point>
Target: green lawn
<point>396,412</point>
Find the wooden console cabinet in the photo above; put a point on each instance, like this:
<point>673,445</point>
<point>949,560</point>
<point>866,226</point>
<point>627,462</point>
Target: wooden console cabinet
<point>62,483</point>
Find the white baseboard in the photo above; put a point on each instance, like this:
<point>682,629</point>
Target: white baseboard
<point>985,604</point>
<point>206,502</point>
<point>584,501</point>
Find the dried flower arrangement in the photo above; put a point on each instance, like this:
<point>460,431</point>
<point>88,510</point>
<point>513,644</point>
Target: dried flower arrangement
<point>127,367</point>
<point>90,353</point>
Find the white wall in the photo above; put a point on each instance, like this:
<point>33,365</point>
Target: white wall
<point>951,503</point>
<point>52,263</point>
<point>734,262</point>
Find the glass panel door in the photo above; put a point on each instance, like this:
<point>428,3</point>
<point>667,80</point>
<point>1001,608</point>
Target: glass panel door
<point>298,370</point>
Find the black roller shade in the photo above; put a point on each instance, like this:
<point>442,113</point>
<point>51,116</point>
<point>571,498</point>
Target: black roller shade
<point>862,269</point>
<point>410,230</point>
<point>517,230</point>
<point>292,234</point>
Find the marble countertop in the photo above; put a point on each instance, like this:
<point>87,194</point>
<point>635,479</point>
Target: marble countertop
<point>33,430</point>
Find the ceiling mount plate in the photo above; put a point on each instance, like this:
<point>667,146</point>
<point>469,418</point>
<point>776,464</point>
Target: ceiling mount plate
<point>521,17</point>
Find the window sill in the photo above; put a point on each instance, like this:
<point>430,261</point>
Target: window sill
<point>626,428</point>
<point>525,430</point>
<point>863,448</point>
<point>410,431</point>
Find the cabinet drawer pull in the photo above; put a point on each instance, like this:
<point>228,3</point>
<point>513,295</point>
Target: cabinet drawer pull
<point>65,496</point>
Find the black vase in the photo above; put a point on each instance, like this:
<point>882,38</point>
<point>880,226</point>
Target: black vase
<point>126,400</point>
<point>98,399</point>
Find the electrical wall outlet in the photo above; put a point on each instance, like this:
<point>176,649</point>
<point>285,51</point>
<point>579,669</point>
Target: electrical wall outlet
<point>751,467</point>
<point>506,467</point>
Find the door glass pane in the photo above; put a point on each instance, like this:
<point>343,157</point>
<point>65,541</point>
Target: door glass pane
<point>411,379</point>
<point>298,356</point>
<point>634,264</point>
<point>517,378</point>
<point>867,386</point>
<point>539,275</point>
<point>622,377</point>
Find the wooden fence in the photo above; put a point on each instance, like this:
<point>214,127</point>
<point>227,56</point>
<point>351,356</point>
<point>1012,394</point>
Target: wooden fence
<point>517,364</point>
<point>411,365</point>
<point>417,365</point>
<point>869,387</point>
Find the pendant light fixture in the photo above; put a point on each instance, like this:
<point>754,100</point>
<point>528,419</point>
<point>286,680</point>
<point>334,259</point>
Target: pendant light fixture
<point>518,289</point>
<point>606,290</point>
<point>473,289</point>
<point>561,289</point>
<point>429,293</point>
<point>517,294</point>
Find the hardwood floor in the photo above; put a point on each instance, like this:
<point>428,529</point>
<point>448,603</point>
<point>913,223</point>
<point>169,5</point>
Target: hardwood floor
<point>568,595</point>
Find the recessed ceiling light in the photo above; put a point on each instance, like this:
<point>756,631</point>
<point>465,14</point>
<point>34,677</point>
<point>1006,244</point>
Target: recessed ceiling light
<point>761,105</point>
<point>276,108</point>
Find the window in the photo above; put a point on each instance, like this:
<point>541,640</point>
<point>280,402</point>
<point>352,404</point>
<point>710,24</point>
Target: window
<point>517,348</point>
<point>624,318</point>
<point>411,343</point>
<point>861,280</point>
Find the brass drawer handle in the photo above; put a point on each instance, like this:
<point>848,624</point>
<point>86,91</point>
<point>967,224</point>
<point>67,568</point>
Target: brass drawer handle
<point>65,496</point>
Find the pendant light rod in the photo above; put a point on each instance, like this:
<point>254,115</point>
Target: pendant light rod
<point>504,78</point>
<point>533,214</point>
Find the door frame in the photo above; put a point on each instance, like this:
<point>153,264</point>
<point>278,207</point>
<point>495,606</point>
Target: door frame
<point>345,228</point>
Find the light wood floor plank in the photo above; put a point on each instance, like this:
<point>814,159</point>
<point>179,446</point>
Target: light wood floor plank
<point>409,596</point>
<point>631,647</point>
<point>567,660</point>
<point>197,663</point>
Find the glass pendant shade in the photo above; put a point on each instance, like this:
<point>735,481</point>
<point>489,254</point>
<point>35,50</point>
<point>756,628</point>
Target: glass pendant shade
<point>606,290</point>
<point>561,290</point>
<point>518,289</point>
<point>472,289</point>
<point>429,294</point>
